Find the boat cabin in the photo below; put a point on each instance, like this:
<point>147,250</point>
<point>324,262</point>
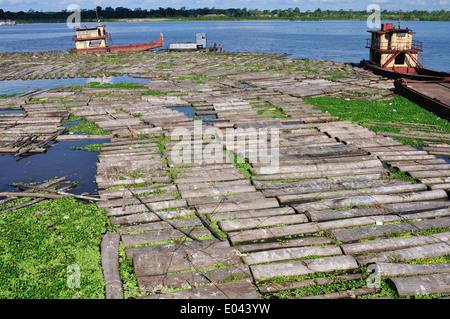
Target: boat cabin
<point>394,49</point>
<point>90,37</point>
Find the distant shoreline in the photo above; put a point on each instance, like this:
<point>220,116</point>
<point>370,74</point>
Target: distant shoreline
<point>211,19</point>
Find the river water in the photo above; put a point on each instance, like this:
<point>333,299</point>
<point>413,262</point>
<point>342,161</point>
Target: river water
<point>342,41</point>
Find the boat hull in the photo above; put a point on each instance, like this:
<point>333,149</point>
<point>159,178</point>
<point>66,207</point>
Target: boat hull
<point>419,74</point>
<point>124,48</point>
<point>433,96</point>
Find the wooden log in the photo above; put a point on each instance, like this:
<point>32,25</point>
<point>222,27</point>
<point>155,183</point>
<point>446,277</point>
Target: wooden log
<point>249,223</point>
<point>314,187</point>
<point>193,279</point>
<point>110,266</point>
<point>357,193</point>
<point>394,208</point>
<point>303,267</point>
<point>281,254</point>
<point>224,198</point>
<point>149,217</point>
<point>348,235</point>
<point>395,269</point>
<point>240,289</point>
<point>184,258</point>
<point>160,225</point>
<point>371,200</point>
<point>34,195</point>
<point>59,192</point>
<point>274,287</point>
<point>162,235</point>
<point>422,138</point>
<point>319,167</point>
<point>216,191</point>
<point>134,201</point>
<point>239,206</point>
<point>155,206</point>
<point>407,254</point>
<point>318,174</point>
<point>422,285</point>
<point>253,213</point>
<point>393,243</point>
<point>430,174</point>
<point>275,232</point>
<point>299,242</point>
<point>347,294</point>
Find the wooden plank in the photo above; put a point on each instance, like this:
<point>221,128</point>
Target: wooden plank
<point>303,267</point>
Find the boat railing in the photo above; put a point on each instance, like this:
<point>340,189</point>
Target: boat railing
<point>377,45</point>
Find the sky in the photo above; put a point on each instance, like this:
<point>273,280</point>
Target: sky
<point>304,5</point>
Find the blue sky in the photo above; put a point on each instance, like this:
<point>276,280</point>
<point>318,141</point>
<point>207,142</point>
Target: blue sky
<point>58,5</point>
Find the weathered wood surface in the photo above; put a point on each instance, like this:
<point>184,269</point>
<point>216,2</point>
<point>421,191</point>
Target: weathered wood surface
<point>422,285</point>
<point>110,265</point>
<point>241,289</point>
<point>394,269</point>
<point>348,235</point>
<point>304,267</point>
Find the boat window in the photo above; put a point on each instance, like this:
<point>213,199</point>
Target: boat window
<point>400,59</point>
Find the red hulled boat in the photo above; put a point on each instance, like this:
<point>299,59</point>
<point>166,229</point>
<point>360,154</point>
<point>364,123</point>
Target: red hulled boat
<point>96,39</point>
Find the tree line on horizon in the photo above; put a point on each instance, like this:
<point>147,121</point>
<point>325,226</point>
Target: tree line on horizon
<point>109,13</point>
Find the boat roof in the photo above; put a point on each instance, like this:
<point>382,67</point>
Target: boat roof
<point>392,31</point>
<point>90,28</point>
<point>390,28</point>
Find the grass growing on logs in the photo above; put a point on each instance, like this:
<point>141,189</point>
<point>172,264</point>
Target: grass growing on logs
<point>399,109</point>
<point>95,147</point>
<point>42,242</point>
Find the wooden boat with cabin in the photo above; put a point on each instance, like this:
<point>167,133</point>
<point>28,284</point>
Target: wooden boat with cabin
<point>394,54</point>
<point>96,39</point>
